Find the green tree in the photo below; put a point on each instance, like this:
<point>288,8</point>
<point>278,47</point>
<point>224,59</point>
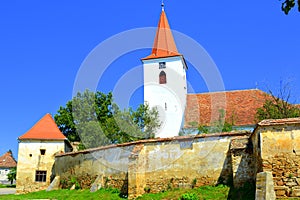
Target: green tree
<point>83,108</point>
<point>278,106</point>
<point>287,5</point>
<point>11,176</point>
<point>95,120</point>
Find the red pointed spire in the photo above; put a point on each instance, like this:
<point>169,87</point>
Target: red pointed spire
<point>164,44</point>
<point>44,129</point>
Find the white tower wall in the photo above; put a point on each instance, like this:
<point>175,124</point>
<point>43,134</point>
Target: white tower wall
<point>168,98</point>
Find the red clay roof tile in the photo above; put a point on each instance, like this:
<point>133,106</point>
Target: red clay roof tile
<point>270,122</point>
<point>44,129</point>
<point>7,160</point>
<point>240,107</point>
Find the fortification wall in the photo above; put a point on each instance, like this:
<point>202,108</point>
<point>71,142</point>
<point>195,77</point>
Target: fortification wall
<point>160,164</point>
<point>109,165</point>
<point>279,149</point>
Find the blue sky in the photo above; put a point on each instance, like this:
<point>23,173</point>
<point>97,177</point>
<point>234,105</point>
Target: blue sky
<point>43,44</point>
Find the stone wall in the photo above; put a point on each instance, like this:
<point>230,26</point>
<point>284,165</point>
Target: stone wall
<point>107,165</point>
<point>158,165</point>
<point>278,146</point>
<point>243,161</point>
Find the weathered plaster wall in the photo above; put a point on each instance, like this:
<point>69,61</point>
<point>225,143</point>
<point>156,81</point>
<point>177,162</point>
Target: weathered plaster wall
<point>30,160</point>
<point>280,154</point>
<point>109,165</point>
<point>161,164</point>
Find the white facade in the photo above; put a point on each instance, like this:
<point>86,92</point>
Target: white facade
<point>169,97</point>
<point>3,175</point>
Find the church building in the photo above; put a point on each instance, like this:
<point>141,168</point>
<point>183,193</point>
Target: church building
<point>165,88</point>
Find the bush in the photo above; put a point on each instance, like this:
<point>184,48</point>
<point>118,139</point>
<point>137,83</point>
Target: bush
<point>189,196</point>
<point>74,181</point>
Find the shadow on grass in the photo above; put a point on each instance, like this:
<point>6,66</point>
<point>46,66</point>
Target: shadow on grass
<point>247,192</point>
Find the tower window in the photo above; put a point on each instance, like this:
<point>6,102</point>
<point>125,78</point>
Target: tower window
<point>43,151</point>
<point>40,176</point>
<point>162,78</point>
<point>166,108</point>
<point>162,65</point>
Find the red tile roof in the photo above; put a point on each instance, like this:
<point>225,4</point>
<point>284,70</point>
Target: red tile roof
<point>164,44</point>
<point>272,122</point>
<point>7,160</point>
<point>44,129</point>
<point>240,107</point>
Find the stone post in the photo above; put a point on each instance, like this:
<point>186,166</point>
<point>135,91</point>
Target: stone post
<point>264,186</point>
<point>136,176</point>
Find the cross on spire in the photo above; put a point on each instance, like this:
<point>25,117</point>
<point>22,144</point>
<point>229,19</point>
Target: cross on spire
<point>162,5</point>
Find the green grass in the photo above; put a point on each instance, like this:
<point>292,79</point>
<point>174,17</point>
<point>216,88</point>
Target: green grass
<point>7,186</point>
<point>66,194</point>
<point>206,192</point>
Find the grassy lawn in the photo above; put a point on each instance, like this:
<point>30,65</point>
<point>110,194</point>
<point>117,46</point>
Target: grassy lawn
<point>66,194</point>
<point>7,186</point>
<point>205,192</point>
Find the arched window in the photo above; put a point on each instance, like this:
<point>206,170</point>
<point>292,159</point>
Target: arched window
<point>162,78</point>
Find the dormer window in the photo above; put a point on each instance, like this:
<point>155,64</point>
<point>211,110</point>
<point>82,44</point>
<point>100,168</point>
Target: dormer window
<point>162,65</point>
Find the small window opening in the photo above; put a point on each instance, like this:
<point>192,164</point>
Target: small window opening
<point>40,176</point>
<point>162,65</point>
<point>166,106</point>
<point>30,155</point>
<point>43,151</point>
<point>162,77</point>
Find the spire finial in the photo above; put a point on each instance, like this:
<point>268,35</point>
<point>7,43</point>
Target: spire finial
<point>162,5</point>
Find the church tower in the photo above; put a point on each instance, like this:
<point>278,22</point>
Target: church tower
<point>165,84</point>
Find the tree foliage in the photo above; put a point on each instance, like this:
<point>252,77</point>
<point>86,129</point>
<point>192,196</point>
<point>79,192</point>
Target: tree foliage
<point>278,106</point>
<point>287,5</point>
<point>11,176</point>
<point>95,120</point>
